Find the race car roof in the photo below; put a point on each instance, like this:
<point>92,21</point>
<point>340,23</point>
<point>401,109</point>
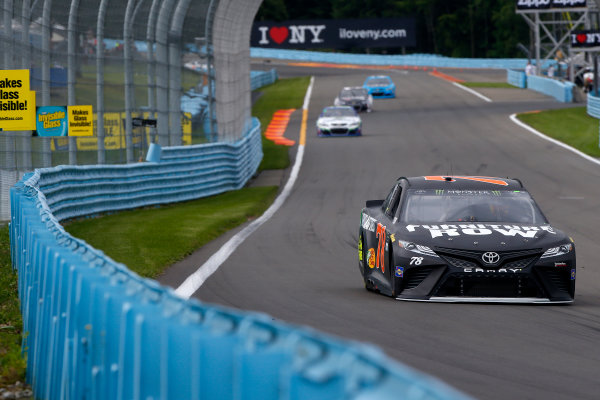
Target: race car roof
<point>463,183</point>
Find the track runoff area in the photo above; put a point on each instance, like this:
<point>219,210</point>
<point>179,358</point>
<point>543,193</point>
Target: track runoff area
<point>300,264</point>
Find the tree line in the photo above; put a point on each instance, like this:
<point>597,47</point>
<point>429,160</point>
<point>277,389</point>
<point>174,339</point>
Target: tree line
<point>455,28</point>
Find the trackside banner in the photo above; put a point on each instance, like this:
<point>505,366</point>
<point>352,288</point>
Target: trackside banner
<point>335,34</point>
<point>582,39</point>
<point>17,102</point>
<point>546,4</point>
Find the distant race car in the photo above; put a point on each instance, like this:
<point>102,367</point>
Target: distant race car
<point>339,121</point>
<point>464,239</point>
<point>357,97</point>
<point>380,86</point>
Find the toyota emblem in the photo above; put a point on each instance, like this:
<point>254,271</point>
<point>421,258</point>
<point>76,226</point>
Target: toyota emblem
<point>490,257</point>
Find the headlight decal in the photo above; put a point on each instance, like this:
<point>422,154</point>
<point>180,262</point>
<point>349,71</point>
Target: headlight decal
<point>558,250</point>
<point>417,248</point>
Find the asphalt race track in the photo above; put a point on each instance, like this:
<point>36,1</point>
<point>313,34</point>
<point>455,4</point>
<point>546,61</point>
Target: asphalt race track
<point>301,266</point>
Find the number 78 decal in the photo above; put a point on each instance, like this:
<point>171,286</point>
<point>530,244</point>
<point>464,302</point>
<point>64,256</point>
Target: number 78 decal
<point>381,236</point>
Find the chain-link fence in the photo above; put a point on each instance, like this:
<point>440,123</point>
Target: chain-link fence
<point>130,60</point>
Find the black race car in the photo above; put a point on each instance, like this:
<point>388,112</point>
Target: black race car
<point>464,239</point>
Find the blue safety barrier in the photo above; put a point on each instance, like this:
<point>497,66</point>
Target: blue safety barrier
<point>421,60</point>
<point>95,330</point>
<point>259,79</point>
<point>561,91</point>
<point>183,173</point>
<point>593,105</point>
<point>516,78</point>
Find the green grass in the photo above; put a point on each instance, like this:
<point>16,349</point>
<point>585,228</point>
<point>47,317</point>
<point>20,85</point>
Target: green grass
<point>12,366</point>
<point>572,126</point>
<point>283,94</point>
<point>502,85</point>
<point>149,240</point>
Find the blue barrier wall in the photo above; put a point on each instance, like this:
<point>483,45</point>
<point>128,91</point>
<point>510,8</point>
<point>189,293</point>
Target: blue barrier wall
<point>593,105</point>
<point>184,173</point>
<point>516,78</point>
<point>94,329</point>
<point>425,60</point>
<point>561,91</point>
<point>262,78</point>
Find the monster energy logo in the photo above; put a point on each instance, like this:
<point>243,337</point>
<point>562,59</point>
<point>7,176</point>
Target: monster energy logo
<point>496,192</point>
<point>439,192</point>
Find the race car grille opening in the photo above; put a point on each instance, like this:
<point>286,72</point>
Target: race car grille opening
<point>489,285</point>
<point>338,131</point>
<point>472,259</point>
<point>415,276</point>
<point>460,263</point>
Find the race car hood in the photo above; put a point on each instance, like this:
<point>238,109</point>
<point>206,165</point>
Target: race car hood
<point>346,120</point>
<point>354,98</point>
<point>476,236</point>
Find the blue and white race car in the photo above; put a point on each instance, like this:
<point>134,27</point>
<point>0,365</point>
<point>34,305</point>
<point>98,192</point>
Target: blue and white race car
<point>339,121</point>
<point>380,86</point>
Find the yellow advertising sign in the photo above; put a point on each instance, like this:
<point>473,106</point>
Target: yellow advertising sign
<point>26,121</point>
<point>186,127</point>
<point>81,120</point>
<point>16,102</point>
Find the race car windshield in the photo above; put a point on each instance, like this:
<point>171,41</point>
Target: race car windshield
<point>437,206</point>
<point>339,112</point>
<point>378,82</point>
<point>350,93</point>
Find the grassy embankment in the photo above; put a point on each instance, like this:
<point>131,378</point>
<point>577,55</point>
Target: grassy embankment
<point>148,240</point>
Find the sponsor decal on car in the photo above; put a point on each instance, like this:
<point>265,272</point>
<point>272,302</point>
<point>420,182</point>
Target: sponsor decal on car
<point>381,235</point>
<point>481,230</point>
<point>360,249</point>
<point>369,223</point>
<point>371,258</point>
<point>392,238</point>
<point>484,179</point>
<point>499,270</point>
<point>573,274</point>
<point>399,272</point>
<point>560,264</point>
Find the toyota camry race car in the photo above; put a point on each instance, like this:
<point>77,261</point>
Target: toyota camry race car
<point>357,97</point>
<point>380,86</point>
<point>464,239</point>
<point>339,121</point>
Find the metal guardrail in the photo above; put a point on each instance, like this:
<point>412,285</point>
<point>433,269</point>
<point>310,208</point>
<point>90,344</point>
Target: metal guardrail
<point>94,329</point>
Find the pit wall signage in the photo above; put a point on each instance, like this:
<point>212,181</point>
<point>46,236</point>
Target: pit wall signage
<point>548,4</point>
<point>54,121</point>
<point>17,101</point>
<point>335,34</point>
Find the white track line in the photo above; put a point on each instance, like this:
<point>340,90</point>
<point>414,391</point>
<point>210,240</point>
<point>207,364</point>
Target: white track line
<point>472,92</point>
<point>194,281</point>
<point>514,119</point>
